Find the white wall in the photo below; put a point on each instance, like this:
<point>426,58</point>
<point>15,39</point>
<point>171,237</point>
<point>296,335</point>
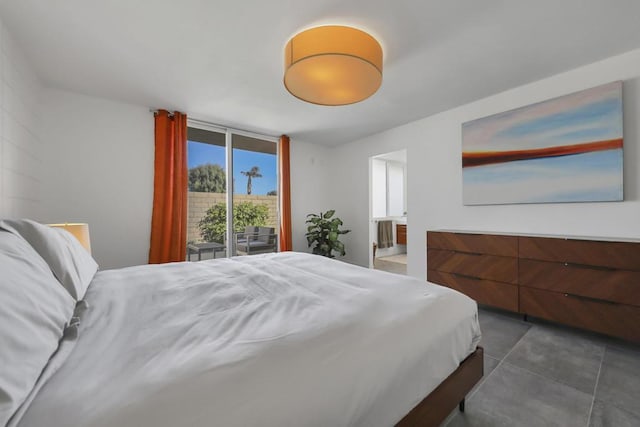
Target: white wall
<point>21,156</point>
<point>99,169</point>
<point>435,176</point>
<point>311,168</point>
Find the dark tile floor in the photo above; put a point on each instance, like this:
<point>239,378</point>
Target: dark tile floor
<point>542,374</point>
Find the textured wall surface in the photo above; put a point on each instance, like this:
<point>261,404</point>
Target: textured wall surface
<point>21,156</point>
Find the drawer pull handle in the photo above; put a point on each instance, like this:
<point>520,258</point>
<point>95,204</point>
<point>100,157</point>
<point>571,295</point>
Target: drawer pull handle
<point>466,276</point>
<point>589,267</point>
<point>590,299</point>
<point>468,253</point>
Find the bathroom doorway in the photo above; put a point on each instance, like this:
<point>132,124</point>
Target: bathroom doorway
<point>388,212</point>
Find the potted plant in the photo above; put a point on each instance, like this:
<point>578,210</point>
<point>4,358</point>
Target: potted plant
<point>323,232</point>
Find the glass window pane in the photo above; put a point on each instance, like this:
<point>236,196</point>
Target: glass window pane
<point>206,217</point>
<point>255,199</point>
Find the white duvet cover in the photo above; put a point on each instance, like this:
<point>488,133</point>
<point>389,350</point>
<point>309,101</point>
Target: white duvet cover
<point>283,339</point>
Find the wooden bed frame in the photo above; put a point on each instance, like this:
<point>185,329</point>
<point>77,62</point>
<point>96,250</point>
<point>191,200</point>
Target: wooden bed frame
<point>435,408</point>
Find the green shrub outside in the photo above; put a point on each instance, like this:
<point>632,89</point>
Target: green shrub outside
<point>214,223</point>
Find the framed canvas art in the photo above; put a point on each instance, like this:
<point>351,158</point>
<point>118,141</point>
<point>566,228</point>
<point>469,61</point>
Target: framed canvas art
<point>567,149</point>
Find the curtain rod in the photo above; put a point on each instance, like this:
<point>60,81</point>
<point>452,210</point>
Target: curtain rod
<point>155,111</point>
<point>232,130</point>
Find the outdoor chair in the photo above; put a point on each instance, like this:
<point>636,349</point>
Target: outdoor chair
<point>265,240</point>
<point>249,230</point>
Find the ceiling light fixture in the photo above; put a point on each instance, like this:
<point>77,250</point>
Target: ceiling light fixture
<point>332,65</point>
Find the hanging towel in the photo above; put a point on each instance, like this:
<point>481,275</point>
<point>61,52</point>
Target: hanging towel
<point>385,234</point>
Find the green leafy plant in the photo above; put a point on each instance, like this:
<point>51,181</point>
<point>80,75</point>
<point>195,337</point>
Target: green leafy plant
<point>213,224</point>
<point>207,178</point>
<point>323,232</point>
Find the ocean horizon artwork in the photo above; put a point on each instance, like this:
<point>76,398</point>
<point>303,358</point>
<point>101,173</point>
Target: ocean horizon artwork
<point>566,149</point>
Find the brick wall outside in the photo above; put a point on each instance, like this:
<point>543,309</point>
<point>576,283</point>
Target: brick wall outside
<point>200,202</point>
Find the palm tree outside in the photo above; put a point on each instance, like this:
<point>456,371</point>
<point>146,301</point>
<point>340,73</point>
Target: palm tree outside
<point>254,172</point>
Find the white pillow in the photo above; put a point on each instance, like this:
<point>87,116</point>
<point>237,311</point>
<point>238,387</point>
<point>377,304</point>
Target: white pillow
<point>34,310</point>
<point>70,262</point>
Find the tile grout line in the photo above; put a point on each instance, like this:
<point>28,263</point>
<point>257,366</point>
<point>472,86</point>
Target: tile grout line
<point>500,362</point>
<point>544,377</point>
<point>595,388</point>
<point>539,375</point>
<point>473,393</point>
<point>560,382</point>
<point>555,380</point>
<point>536,374</point>
<point>484,378</point>
<point>503,360</point>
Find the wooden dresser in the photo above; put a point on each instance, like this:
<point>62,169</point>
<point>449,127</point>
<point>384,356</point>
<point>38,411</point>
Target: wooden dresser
<point>590,284</point>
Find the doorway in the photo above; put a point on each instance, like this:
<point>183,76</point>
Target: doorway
<point>388,212</point>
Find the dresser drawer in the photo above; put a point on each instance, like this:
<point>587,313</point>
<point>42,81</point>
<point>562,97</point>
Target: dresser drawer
<point>620,286</point>
<point>487,292</point>
<point>498,268</point>
<point>605,317</point>
<point>401,234</point>
<point>489,244</point>
<point>618,255</point>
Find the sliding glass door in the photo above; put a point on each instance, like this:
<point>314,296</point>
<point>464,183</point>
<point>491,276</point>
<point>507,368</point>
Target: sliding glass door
<point>255,199</point>
<point>220,160</point>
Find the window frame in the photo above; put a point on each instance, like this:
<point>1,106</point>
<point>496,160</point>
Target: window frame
<point>387,190</point>
<point>228,133</point>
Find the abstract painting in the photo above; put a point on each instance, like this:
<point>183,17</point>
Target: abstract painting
<point>567,149</point>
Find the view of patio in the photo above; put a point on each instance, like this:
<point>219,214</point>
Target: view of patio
<point>255,219</point>
<point>255,202</point>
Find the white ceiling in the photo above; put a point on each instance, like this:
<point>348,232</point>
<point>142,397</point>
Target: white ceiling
<point>222,61</point>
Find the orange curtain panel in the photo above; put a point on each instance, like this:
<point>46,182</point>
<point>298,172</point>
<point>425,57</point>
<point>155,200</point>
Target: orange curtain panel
<point>285,194</point>
<point>169,218</point>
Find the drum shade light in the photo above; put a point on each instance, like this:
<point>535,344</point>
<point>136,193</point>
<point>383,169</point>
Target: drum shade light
<point>332,65</point>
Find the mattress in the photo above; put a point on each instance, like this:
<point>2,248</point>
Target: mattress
<point>285,339</point>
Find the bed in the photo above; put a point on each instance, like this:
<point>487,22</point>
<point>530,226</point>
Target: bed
<point>285,339</point>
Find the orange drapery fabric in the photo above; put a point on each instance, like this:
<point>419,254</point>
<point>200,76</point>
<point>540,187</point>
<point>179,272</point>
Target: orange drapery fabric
<point>285,194</point>
<point>169,218</point>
